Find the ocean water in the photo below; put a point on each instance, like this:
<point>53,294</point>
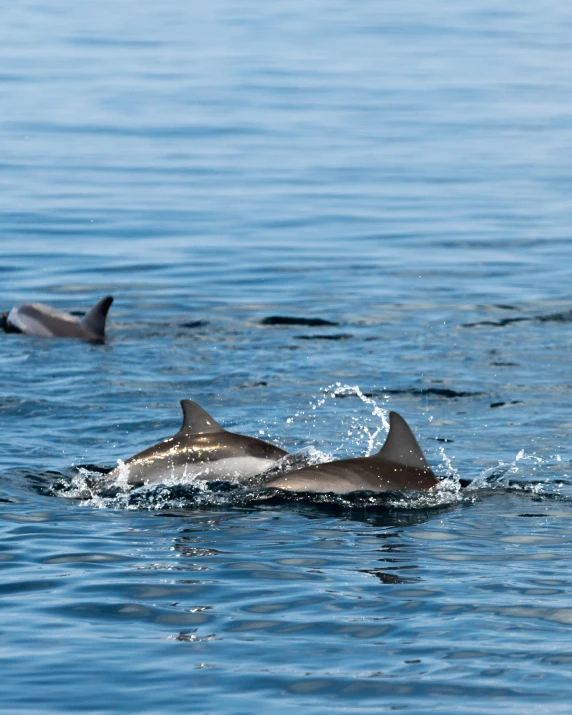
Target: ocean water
<point>399,169</point>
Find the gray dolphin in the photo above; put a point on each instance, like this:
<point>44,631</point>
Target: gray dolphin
<point>400,464</point>
<point>41,320</point>
<point>201,448</point>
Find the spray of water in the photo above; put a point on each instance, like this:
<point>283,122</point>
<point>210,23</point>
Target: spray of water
<point>357,424</point>
<point>95,488</point>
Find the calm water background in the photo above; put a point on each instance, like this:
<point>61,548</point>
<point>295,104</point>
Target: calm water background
<point>398,168</point>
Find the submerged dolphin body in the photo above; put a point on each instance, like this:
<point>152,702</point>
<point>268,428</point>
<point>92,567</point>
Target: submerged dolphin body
<point>201,448</point>
<point>400,464</point>
<point>41,320</point>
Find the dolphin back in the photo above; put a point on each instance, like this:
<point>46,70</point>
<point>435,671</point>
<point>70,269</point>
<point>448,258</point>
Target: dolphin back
<point>400,464</point>
<point>43,321</point>
<point>201,449</point>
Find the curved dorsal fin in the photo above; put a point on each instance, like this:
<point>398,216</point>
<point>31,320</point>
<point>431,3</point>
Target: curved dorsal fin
<point>196,420</point>
<point>94,320</point>
<point>401,446</point>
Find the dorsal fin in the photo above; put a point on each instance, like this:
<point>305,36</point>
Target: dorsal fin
<point>401,446</point>
<point>94,320</point>
<point>196,420</point>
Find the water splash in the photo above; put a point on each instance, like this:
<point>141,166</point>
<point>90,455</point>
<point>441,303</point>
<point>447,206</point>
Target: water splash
<point>358,427</point>
<point>93,487</point>
<point>97,490</point>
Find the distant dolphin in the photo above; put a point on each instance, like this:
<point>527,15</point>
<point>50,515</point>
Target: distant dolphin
<point>41,320</point>
<point>400,464</point>
<point>200,448</point>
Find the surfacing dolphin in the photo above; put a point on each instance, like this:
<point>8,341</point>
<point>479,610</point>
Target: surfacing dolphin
<point>42,321</point>
<point>400,464</point>
<point>201,448</point>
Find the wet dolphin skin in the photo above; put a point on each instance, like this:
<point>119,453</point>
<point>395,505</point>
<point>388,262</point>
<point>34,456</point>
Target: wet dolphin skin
<point>201,448</point>
<point>400,464</point>
<point>43,321</point>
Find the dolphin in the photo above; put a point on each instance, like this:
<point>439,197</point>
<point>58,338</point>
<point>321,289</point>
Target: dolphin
<point>41,320</point>
<point>201,448</point>
<point>400,464</point>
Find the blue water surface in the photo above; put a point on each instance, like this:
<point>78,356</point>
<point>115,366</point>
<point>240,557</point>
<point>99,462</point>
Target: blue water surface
<point>400,169</point>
